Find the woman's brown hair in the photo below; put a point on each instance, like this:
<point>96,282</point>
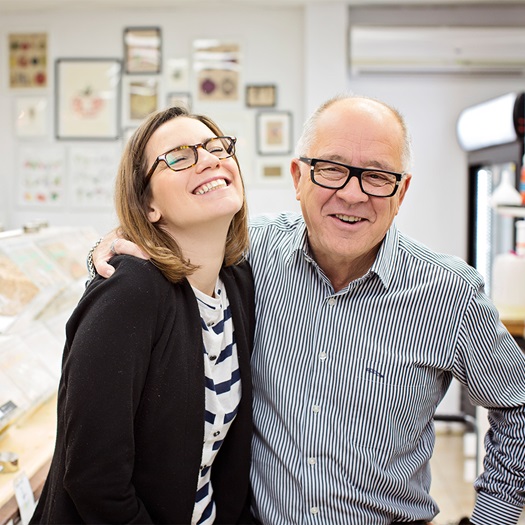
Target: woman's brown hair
<point>132,203</point>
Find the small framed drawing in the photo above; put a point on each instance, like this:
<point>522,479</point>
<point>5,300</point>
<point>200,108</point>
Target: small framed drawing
<point>273,171</point>
<point>142,50</point>
<point>28,56</point>
<point>261,96</point>
<point>87,98</point>
<point>31,116</point>
<point>179,99</point>
<point>141,97</point>
<point>274,132</point>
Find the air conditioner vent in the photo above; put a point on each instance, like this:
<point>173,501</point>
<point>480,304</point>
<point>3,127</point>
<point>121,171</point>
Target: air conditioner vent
<point>484,50</point>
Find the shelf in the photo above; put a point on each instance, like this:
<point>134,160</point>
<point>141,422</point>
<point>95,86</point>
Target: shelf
<point>511,211</point>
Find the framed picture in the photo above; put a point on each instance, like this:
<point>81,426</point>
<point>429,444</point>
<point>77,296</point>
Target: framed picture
<point>31,117</point>
<point>142,50</point>
<point>41,176</point>
<point>87,98</point>
<point>259,96</point>
<point>179,99</point>
<point>274,132</point>
<point>177,75</point>
<point>27,60</point>
<point>273,171</point>
<point>91,175</point>
<point>217,68</point>
<point>141,97</point>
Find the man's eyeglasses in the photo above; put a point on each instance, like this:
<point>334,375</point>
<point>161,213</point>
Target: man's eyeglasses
<point>184,157</point>
<point>334,175</point>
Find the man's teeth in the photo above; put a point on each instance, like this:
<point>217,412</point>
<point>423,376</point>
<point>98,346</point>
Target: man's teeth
<point>349,218</point>
<point>210,186</point>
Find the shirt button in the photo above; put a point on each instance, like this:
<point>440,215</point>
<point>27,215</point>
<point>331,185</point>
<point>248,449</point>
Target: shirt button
<point>316,409</point>
<point>215,434</point>
<point>312,461</point>
<point>322,356</point>
<point>314,510</point>
<point>332,301</point>
<point>212,357</point>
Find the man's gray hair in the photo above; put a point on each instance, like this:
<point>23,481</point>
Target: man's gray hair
<point>310,126</point>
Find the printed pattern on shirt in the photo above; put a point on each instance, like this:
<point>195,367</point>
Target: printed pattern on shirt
<point>346,384</point>
<point>222,391</point>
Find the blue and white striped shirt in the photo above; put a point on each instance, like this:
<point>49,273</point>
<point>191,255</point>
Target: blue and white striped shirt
<point>222,391</point>
<point>346,384</point>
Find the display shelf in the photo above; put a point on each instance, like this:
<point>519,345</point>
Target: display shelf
<point>511,211</point>
<point>42,277</point>
<point>33,439</point>
<point>516,327</point>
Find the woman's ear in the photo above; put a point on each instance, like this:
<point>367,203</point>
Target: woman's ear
<point>154,215</point>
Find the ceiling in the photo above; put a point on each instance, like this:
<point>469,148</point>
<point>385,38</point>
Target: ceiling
<point>23,6</point>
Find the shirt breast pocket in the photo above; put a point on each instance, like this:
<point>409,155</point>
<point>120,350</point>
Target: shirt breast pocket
<point>391,409</point>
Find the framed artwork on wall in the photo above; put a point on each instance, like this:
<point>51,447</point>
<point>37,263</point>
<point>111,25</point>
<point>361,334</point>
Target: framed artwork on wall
<point>87,98</point>
<point>31,117</point>
<point>141,97</point>
<point>142,50</point>
<point>273,171</point>
<point>179,99</point>
<point>217,68</point>
<point>274,132</point>
<point>261,96</point>
<point>41,176</point>
<point>28,60</point>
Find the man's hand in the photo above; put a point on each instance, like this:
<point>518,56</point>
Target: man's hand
<point>112,245</point>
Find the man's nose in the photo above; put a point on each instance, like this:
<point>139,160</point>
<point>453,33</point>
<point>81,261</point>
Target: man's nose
<point>352,191</point>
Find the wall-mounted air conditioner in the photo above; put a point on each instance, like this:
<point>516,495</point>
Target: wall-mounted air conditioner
<point>485,50</point>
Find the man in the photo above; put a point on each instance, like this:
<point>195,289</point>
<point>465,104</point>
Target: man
<point>360,331</point>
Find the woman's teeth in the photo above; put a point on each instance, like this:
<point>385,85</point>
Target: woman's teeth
<point>210,186</point>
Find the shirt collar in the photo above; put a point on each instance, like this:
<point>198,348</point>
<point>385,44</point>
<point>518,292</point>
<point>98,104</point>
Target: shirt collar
<point>300,242</point>
<point>385,265</point>
<point>386,260</point>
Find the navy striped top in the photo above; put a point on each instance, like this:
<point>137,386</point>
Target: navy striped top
<point>222,391</point>
<point>346,384</point>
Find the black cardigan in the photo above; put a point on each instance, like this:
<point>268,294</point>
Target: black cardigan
<point>131,404</point>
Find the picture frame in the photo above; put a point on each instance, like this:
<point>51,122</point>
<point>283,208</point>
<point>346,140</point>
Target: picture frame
<point>28,59</point>
<point>41,176</point>
<point>261,95</point>
<point>87,105</point>
<point>142,50</point>
<point>274,132</point>
<point>179,99</point>
<point>273,171</point>
<point>31,117</point>
<point>141,96</point>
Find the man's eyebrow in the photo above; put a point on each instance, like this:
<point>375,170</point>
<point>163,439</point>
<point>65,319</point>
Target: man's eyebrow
<point>370,164</point>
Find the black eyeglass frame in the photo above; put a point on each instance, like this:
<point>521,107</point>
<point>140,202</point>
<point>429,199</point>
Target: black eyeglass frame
<point>195,148</point>
<point>352,172</point>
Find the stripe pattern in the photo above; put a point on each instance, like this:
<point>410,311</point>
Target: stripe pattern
<point>346,384</point>
<point>222,391</point>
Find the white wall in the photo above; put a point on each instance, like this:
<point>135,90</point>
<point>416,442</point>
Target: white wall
<point>271,42</point>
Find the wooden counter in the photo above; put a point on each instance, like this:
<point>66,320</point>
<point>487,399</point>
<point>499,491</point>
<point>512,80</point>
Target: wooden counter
<point>33,438</point>
<point>516,328</point>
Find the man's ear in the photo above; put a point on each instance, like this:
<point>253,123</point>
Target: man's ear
<point>406,183</point>
<point>295,170</point>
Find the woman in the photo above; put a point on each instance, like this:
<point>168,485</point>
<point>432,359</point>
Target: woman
<point>154,405</point>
